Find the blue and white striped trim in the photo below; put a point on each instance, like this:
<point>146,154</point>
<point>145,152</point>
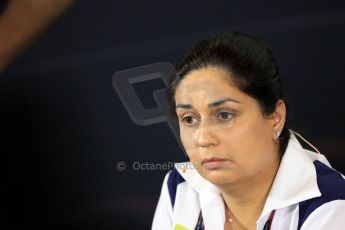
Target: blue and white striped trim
<point>331,185</point>
<point>173,181</point>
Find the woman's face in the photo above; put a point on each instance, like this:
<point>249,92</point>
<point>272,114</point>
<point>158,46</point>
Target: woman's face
<point>222,129</point>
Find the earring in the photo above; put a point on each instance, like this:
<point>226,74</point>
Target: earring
<point>277,139</point>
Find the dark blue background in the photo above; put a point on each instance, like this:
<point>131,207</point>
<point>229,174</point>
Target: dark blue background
<point>65,126</point>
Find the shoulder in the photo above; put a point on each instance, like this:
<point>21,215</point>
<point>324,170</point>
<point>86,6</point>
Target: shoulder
<point>173,179</point>
<point>329,215</point>
<point>331,184</point>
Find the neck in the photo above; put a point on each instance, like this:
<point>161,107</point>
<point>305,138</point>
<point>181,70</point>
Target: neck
<point>245,200</point>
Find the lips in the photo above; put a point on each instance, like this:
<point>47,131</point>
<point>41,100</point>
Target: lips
<point>212,159</point>
<point>213,163</point>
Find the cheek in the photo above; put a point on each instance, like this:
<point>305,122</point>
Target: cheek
<point>261,138</point>
<point>188,143</point>
<point>248,144</point>
<point>185,138</point>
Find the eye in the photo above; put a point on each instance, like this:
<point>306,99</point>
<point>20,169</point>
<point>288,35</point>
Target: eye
<point>189,120</point>
<point>225,116</point>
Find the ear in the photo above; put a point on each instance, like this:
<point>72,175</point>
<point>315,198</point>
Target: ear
<point>278,118</point>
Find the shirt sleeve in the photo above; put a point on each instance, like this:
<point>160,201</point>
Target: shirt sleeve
<point>163,215</point>
<point>329,216</point>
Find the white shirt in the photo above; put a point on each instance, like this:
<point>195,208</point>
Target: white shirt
<point>307,194</point>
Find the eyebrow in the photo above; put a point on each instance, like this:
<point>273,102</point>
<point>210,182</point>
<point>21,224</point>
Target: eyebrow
<point>213,104</point>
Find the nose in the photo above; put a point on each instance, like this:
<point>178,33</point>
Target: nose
<point>205,136</point>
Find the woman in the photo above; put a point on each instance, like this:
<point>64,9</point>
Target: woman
<point>247,170</point>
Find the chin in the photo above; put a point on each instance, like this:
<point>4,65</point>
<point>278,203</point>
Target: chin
<point>217,177</point>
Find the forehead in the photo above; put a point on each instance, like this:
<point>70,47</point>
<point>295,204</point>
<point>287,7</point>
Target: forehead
<point>209,83</point>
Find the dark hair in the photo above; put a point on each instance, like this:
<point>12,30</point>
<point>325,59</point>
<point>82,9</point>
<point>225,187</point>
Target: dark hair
<point>251,67</point>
